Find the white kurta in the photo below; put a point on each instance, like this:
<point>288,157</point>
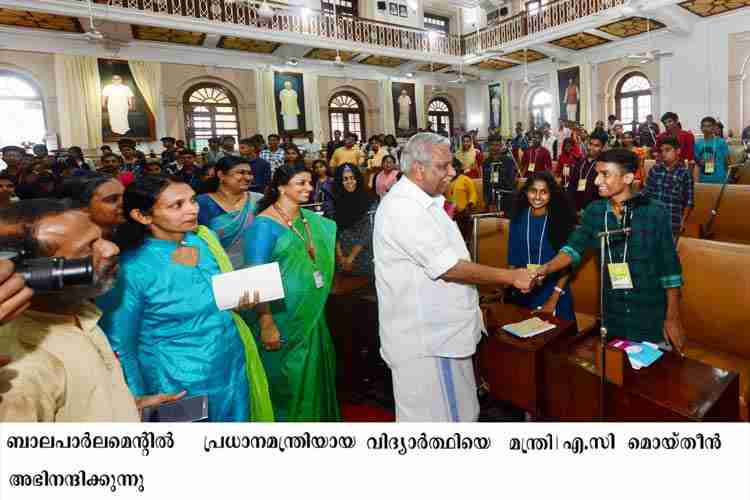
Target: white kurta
<point>404,108</point>
<point>429,328</point>
<point>289,109</point>
<point>117,107</point>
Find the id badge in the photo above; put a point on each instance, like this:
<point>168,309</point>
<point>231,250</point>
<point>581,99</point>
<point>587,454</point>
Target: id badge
<point>709,167</point>
<point>533,267</point>
<point>582,184</point>
<point>532,166</point>
<point>318,276</point>
<point>619,275</point>
<point>566,171</point>
<point>495,177</point>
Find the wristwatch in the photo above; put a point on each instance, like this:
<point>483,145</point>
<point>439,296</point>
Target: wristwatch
<point>559,290</point>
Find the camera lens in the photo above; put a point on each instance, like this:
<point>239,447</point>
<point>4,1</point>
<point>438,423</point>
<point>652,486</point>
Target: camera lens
<point>56,273</point>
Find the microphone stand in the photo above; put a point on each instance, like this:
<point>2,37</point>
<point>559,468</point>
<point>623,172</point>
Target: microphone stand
<point>603,334</point>
<point>706,230</point>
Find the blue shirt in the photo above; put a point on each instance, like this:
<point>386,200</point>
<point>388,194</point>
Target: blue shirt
<point>261,175</point>
<point>715,149</point>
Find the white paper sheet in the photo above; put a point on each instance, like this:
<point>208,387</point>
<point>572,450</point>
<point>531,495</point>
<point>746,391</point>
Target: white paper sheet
<point>229,287</point>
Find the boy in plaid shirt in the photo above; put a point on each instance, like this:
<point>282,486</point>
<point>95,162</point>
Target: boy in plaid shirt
<point>644,304</point>
<point>670,182</point>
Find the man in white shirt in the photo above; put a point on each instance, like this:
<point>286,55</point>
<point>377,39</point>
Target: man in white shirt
<point>548,140</point>
<point>429,314</point>
<point>311,148</point>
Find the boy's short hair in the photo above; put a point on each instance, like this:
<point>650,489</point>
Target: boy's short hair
<point>626,159</point>
<point>671,141</point>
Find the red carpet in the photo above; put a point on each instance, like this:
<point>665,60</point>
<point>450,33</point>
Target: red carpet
<point>365,413</point>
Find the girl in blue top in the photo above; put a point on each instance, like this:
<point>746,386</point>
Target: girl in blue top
<point>542,219</point>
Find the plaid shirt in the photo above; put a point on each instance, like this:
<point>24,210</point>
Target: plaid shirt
<point>673,188</point>
<point>276,159</point>
<point>636,314</point>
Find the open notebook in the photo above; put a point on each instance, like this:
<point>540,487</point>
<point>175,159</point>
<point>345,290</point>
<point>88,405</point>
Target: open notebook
<point>529,328</point>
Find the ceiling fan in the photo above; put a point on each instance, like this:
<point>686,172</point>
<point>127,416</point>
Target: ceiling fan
<point>462,78</point>
<point>650,55</point>
<point>94,36</point>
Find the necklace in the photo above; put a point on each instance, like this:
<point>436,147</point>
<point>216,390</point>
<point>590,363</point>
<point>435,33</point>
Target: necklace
<point>230,204</point>
<point>309,244</point>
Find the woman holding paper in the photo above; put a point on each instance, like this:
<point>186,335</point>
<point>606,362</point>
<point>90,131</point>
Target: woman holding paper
<point>229,210</point>
<point>540,225</point>
<point>161,317</point>
<point>298,353</point>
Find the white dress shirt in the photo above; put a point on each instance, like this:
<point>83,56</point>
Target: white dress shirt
<point>415,242</point>
<point>548,143</point>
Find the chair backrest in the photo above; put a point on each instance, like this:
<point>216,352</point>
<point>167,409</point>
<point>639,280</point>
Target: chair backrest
<point>731,223</point>
<point>493,242</point>
<point>714,297</point>
<point>585,286</point>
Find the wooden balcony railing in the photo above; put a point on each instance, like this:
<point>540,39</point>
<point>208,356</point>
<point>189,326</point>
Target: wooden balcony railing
<point>318,24</point>
<point>550,15</point>
<point>366,31</point>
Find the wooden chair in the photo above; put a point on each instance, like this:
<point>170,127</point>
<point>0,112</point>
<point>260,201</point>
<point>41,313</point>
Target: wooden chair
<point>731,223</point>
<point>714,314</point>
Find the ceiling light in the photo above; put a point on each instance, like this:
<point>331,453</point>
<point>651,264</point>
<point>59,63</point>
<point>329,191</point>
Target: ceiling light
<point>293,62</point>
<point>410,75</point>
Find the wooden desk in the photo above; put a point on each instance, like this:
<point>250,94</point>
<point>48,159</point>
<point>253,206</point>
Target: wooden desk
<point>352,316</point>
<point>513,367</point>
<point>672,389</point>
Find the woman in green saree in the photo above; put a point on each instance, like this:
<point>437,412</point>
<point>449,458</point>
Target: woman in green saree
<point>298,352</point>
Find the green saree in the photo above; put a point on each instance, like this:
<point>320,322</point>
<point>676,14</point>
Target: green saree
<point>302,374</point>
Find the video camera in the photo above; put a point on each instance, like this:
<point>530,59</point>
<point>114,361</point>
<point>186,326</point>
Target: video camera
<point>51,274</point>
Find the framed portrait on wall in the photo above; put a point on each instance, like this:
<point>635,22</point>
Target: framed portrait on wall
<point>289,93</point>
<point>402,11</point>
<point>393,8</point>
<point>404,108</point>
<point>124,110</point>
<point>569,82</point>
<point>496,105</point>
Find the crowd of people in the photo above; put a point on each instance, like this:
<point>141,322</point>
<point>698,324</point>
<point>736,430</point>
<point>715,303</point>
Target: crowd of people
<point>159,228</point>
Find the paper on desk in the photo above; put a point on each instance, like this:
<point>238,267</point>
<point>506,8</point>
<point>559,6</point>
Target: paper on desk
<point>529,328</point>
<point>229,287</point>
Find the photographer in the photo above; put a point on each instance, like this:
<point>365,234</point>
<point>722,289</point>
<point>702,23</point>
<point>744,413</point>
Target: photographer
<point>63,368</point>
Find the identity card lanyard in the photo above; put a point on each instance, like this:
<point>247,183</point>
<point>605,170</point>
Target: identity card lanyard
<point>531,265</point>
<point>619,273</point>
<point>709,161</point>
<point>584,179</point>
<point>532,163</point>
<point>309,243</point>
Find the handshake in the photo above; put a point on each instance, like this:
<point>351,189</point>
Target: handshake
<point>525,279</point>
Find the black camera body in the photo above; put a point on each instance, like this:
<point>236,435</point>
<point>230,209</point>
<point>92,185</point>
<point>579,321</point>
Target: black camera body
<point>52,274</point>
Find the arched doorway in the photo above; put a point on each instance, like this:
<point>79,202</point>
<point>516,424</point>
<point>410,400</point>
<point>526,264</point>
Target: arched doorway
<point>210,111</point>
<point>346,114</point>
<point>23,110</point>
<point>440,115</point>
<point>633,100</point>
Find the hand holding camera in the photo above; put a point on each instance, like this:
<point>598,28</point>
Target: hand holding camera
<point>15,296</point>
